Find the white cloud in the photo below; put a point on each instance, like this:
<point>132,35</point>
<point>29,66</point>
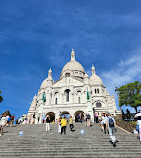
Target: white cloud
<point>126,71</point>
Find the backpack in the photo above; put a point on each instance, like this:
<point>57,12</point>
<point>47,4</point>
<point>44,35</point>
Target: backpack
<point>111,122</point>
<point>88,116</point>
<point>137,127</point>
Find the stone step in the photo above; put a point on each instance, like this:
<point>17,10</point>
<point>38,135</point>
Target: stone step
<point>115,150</point>
<point>73,154</point>
<point>36,143</point>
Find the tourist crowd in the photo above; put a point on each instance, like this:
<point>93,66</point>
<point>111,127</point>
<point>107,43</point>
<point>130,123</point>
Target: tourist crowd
<point>105,120</point>
<point>6,121</point>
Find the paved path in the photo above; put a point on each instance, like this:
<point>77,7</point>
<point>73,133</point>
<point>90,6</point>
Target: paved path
<point>37,143</point>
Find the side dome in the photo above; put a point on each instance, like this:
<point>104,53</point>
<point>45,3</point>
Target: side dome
<point>95,80</point>
<point>48,81</point>
<point>44,84</point>
<point>73,65</point>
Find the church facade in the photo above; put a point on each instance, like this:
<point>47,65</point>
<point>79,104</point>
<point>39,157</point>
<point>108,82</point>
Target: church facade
<point>69,93</point>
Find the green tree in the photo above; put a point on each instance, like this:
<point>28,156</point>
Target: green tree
<point>130,94</point>
<point>1,99</point>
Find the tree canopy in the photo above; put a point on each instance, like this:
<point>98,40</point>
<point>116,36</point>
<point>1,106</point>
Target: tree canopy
<point>1,99</point>
<point>130,94</point>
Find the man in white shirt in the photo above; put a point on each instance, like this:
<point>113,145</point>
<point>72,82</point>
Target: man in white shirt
<point>2,124</point>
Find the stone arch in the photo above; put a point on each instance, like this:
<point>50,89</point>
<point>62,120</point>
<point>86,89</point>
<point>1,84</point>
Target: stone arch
<point>52,116</point>
<point>99,101</point>
<point>79,115</point>
<point>66,114</point>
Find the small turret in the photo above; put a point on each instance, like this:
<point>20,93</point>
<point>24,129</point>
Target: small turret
<point>50,73</point>
<point>72,55</point>
<point>93,70</point>
<point>33,104</point>
<point>86,79</point>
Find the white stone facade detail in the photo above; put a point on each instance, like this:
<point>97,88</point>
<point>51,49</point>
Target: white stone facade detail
<point>69,93</point>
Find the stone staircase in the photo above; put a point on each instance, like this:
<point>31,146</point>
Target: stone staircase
<point>37,143</point>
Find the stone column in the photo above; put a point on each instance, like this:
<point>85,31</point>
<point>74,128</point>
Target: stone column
<point>72,98</point>
<point>62,98</point>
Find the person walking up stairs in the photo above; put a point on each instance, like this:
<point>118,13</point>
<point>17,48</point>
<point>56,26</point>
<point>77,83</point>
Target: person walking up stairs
<point>71,123</point>
<point>111,125</point>
<point>63,125</point>
<point>48,123</point>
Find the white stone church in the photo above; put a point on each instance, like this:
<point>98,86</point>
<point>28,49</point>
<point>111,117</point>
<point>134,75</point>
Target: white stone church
<point>69,93</point>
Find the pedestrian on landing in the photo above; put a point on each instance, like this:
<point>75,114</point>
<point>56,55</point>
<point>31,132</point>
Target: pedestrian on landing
<point>2,124</point>
<point>33,119</point>
<point>30,117</point>
<point>99,117</point>
<point>88,120</point>
<point>48,123</point>
<point>85,119</point>
<point>63,125</point>
<point>44,118</point>
<point>96,118</point>
<point>38,117</point>
<point>80,118</point>
<point>12,120</point>
<point>59,125</point>
<point>8,120</point>
<point>103,123</point>
<point>71,123</point>
<point>60,114</point>
<point>111,126</point>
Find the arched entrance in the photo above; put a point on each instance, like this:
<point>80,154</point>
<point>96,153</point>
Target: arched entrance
<point>79,116</point>
<point>52,116</point>
<point>66,114</point>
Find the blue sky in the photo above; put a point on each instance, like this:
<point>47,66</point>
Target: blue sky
<point>36,35</point>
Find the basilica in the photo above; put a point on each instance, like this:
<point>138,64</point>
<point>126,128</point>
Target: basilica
<point>69,95</point>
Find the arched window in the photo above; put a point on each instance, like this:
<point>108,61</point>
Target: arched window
<point>67,74</point>
<point>67,91</point>
<point>79,100</point>
<point>98,104</point>
<point>56,97</point>
<point>56,101</point>
<point>97,90</point>
<point>79,92</point>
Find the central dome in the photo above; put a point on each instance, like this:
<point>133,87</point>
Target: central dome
<point>73,65</point>
<point>73,68</point>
